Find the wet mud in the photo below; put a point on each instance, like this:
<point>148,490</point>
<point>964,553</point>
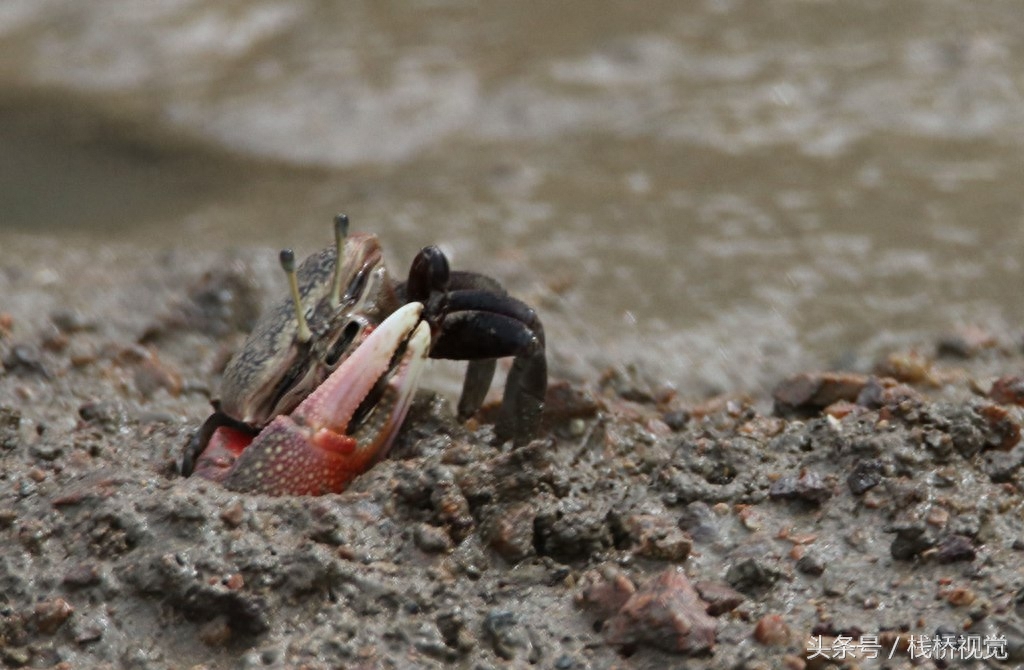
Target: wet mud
<point>645,528</point>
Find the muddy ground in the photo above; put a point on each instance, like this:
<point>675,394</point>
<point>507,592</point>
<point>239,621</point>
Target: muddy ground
<point>645,529</point>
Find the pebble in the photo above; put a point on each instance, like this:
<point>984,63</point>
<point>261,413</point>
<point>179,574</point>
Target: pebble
<point>666,613</point>
<point>865,476</point>
<point>431,539</point>
<point>676,420</point>
<point>452,627</point>
<point>509,639</point>
<point>720,598</point>
<point>699,521</point>
<point>24,359</point>
<point>50,615</point>
<point>811,564</point>
<point>810,392</point>
<point>233,515</point>
<point>82,575</point>
<point>10,428</point>
<point>751,575</point>
<point>910,541</point>
<point>1008,390</point>
<point>605,590</point>
<point>216,632</point>
<point>953,548</point>
<point>771,630</point>
<point>960,597</point>
<point>808,486</point>
<point>510,531</point>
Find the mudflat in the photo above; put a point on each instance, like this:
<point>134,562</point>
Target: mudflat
<point>864,518</point>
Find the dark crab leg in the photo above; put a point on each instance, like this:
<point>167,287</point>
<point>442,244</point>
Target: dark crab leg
<point>340,429</point>
<point>474,319</point>
<point>481,325</point>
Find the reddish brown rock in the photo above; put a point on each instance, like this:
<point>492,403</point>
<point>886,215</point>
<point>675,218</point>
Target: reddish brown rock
<point>720,598</point>
<point>1008,390</point>
<point>886,392</point>
<point>1006,431</point>
<point>510,531</point>
<point>771,630</point>
<point>604,590</point>
<point>50,615</point>
<point>808,393</point>
<point>665,613</point>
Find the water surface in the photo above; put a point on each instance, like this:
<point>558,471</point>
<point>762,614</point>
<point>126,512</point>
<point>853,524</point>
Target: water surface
<point>720,192</point>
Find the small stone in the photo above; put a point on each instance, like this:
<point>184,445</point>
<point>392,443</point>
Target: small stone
<point>751,576</point>
<point>771,630</point>
<point>666,613</point>
<point>719,597</point>
<point>69,320</point>
<point>953,548</point>
<point>1008,390</point>
<point>431,539</point>
<point>1004,432</point>
<point>452,627</point>
<point>106,413</point>
<point>792,662</point>
<point>605,590</point>
<point>510,531</point>
<point>564,402</point>
<point>811,564</point>
<point>965,342</point>
<point>216,632</point>
<point>907,367</point>
<point>233,515</point>
<point>676,419</point>
<point>15,657</point>
<point>50,615</point>
<point>509,639</point>
<point>565,662</point>
<point>452,510</point>
<point>808,486</point>
<point>46,451</point>
<point>960,597</point>
<point>82,575</point>
<point>10,428</point>
<point>808,393</point>
<point>88,630</point>
<point>23,359</point>
<point>910,541</point>
<point>865,476</point>
<point>699,521</point>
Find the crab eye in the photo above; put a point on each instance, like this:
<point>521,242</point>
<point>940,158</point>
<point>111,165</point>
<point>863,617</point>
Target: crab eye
<point>348,336</point>
<point>358,283</point>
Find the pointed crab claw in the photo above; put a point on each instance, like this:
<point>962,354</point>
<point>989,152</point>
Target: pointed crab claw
<point>343,427</point>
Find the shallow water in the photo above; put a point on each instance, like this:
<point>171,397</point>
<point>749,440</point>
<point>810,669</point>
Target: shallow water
<point>722,192</point>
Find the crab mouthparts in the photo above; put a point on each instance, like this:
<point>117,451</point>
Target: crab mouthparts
<point>367,397</point>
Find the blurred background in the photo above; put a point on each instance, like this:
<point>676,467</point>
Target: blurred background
<point>720,192</point>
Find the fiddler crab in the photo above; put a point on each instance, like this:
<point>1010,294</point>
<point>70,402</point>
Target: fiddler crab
<point>323,383</point>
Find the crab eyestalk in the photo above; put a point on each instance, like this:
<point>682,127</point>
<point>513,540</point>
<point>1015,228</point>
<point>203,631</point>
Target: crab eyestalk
<point>344,426</point>
<point>302,334</point>
<point>340,233</point>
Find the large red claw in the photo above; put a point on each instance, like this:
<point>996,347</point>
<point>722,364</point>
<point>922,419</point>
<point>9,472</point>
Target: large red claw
<point>347,424</point>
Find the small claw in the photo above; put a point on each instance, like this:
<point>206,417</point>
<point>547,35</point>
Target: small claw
<point>348,423</point>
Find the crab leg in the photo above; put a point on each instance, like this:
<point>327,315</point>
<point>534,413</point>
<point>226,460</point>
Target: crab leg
<point>347,424</point>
